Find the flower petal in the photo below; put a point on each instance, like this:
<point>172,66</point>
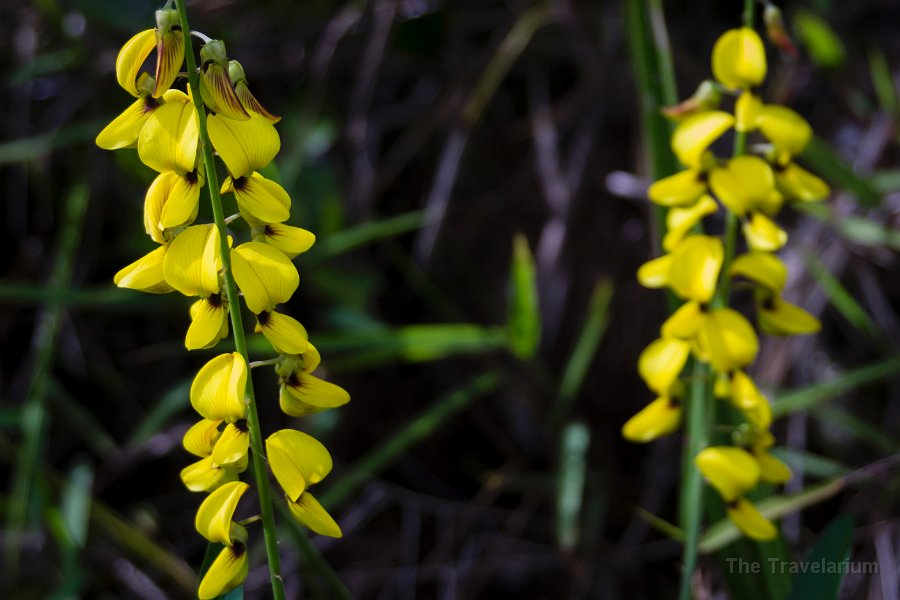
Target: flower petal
<point>680,189</point>
<point>762,233</point>
<point>763,268</point>
<point>684,323</point>
<point>290,240</point>
<point>771,469</point>
<point>192,262</point>
<point>131,57</point>
<point>746,111</point>
<point>660,417</point>
<point>146,274</point>
<point>172,201</point>
<point>728,340</point>
<point>218,390</point>
<point>297,460</point>
<point>209,323</point>
<point>696,263</point>
<point>169,49</point>
<point>265,275</point>
<point>661,363</point>
<point>777,316</point>
<point>743,184</point>
<point>655,273</point>
<point>731,471</point>
<point>205,475</point>
<point>213,520</point>
<point>679,221</point>
<point>788,131</point>
<point>226,572</point>
<point>125,129</point>
<point>168,140</point>
<point>244,146</point>
<point>750,521</point>
<point>285,333</point>
<point>303,394</point>
<point>260,200</point>
<point>310,513</point>
<point>695,134</point>
<point>233,444</point>
<point>201,438</point>
<point>739,59</point>
<point>796,183</point>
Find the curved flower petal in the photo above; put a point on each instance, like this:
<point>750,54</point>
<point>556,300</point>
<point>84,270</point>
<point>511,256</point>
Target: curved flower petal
<point>285,333</point>
<point>226,572</point>
<point>655,273</point>
<point>247,99</point>
<point>206,476</point>
<point>777,316</point>
<point>696,263</point>
<point>310,513</point>
<point>739,59</point>
<point>213,520</point>
<point>731,471</point>
<point>169,49</point>
<point>750,521</point>
<point>744,393</point>
<point>297,460</point>
<point>785,128</point>
<point>303,394</point>
<point>244,146</point>
<point>201,438</point>
<point>168,140</point>
<point>660,417</point>
<point>660,364</point>
<point>209,323</point>
<point>215,84</point>
<point>746,111</point>
<point>796,183</point>
<point>743,184</point>
<point>695,134</point>
<point>680,189</point>
<point>762,233</point>
<point>192,262</point>
<point>728,340</point>
<point>260,200</point>
<point>146,274</point>
<point>290,240</point>
<point>172,201</point>
<point>218,390</point>
<point>265,275</point>
<point>233,445</point>
<point>131,57</point>
<point>124,130</point>
<point>684,323</point>
<point>763,268</point>
<point>679,221</point>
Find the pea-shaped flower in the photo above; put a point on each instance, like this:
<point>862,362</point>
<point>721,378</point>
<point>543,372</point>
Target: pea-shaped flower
<point>265,275</point>
<point>739,59</point>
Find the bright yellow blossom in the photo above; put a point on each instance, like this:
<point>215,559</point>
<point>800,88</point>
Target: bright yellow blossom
<point>739,59</point>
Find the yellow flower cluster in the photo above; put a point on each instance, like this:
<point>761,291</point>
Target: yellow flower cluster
<point>164,125</point>
<point>752,188</point>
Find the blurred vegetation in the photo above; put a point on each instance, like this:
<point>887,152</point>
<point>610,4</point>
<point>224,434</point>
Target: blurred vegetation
<point>475,173</point>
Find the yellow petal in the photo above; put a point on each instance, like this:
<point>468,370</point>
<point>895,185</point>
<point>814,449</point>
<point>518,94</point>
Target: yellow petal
<point>739,59</point>
<point>660,417</point>
<point>206,476</point>
<point>696,263</point>
<point>209,323</point>
<point>684,323</point>
<point>290,240</point>
<point>172,201</point>
<point>777,316</point>
<point>285,333</point>
<point>168,140</point>
<point>679,221</point>
<point>192,262</point>
<point>124,130</point>
<point>297,460</point>
<point>265,275</point>
<point>760,415</point>
<point>750,521</point>
<point>244,146</point>
<point>218,390</point>
<point>660,364</point>
<point>762,233</point>
<point>310,513</point>
<point>146,274</point>
<point>797,183</point>
<point>728,340</point>
<point>201,438</point>
<point>131,57</point>
<point>213,520</point>
<point>731,471</point>
<point>303,394</point>
<point>763,268</point>
<point>743,184</point>
<point>771,469</point>
<point>260,200</point>
<point>788,131</point>
<point>169,49</point>
<point>655,273</point>
<point>746,111</point>
<point>680,189</point>
<point>695,134</point>
<point>225,573</point>
<point>744,393</point>
<point>251,104</point>
<point>233,444</point>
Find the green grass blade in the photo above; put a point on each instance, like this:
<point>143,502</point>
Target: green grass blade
<point>524,322</point>
<point>570,484</point>
<point>831,549</point>
<point>825,161</point>
<point>811,465</point>
<point>883,82</point>
<point>353,238</point>
<point>841,299</point>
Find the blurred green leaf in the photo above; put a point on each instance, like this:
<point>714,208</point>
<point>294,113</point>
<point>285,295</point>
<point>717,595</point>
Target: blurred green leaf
<point>808,398</point>
<point>831,549</point>
<point>841,299</point>
<point>570,484</point>
<point>524,321</point>
<point>811,465</point>
<point>883,82</point>
<point>886,181</point>
<point>353,238</point>
<point>76,503</point>
<point>824,47</point>
<point>27,149</point>
<point>828,164</point>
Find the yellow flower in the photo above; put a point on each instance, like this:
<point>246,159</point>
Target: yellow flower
<point>217,392</point>
<point>660,417</point>
<point>290,240</point>
<point>241,89</point>
<point>796,183</point>
<point>771,469</point>
<point>777,316</point>
<point>124,130</point>
<point>750,521</point>
<point>201,438</point>
<point>265,275</point>
<point>303,394</point>
<point>762,233</point>
<point>695,134</point>
<point>691,269</point>
<point>297,460</point>
<point>214,517</point>
<point>172,201</point>
<point>260,200</point>
<point>309,512</point>
<point>130,59</point>
<point>739,59</point>
<point>169,49</point>
<point>660,364</point>
<point>285,333</point>
<point>681,189</point>
<point>731,471</point>
<point>168,140</point>
<point>746,111</point>
<point>747,398</point>
<point>726,340</point>
<point>788,131</point>
<point>205,475</point>
<point>244,146</point>
<point>215,85</point>
<point>745,183</point>
<point>680,221</point>
<point>226,572</point>
<point>763,268</point>
<point>146,274</point>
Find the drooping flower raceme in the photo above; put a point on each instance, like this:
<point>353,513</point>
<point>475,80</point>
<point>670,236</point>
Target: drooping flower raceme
<point>751,188</point>
<point>163,124</point>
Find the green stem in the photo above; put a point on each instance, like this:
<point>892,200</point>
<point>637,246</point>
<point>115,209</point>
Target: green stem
<point>234,310</point>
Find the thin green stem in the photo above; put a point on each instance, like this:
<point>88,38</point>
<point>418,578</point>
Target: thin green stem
<point>234,309</point>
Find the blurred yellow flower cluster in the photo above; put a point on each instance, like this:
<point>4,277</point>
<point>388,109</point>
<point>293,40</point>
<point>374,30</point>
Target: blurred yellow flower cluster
<point>166,128</point>
<point>751,189</point>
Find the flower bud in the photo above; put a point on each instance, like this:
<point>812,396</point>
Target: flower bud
<point>247,99</point>
<point>215,86</point>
